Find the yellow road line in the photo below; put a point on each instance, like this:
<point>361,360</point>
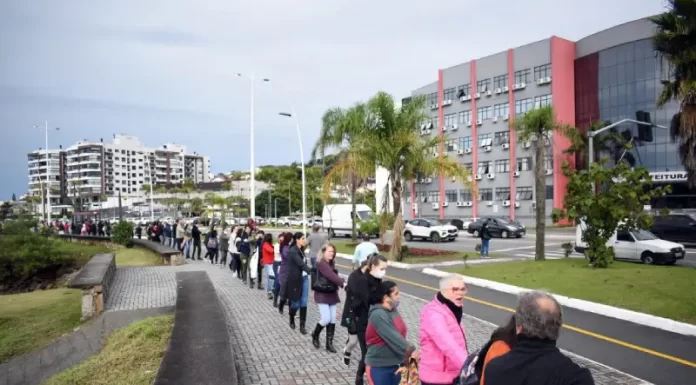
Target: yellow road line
<point>569,327</point>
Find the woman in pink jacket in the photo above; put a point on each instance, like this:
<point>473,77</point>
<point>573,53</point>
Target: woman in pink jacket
<point>442,336</point>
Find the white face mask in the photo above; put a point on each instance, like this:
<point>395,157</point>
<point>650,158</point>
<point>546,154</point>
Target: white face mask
<point>379,274</point>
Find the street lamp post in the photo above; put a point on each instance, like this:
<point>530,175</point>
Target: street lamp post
<point>47,195</point>
<point>152,187</point>
<point>293,115</point>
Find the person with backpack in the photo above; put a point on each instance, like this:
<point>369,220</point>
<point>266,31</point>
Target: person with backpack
<point>485,238</point>
<point>212,244</point>
<point>325,283</point>
<point>502,341</point>
<point>442,336</point>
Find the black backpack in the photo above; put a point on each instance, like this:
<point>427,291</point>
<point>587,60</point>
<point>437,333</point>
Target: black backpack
<point>473,367</point>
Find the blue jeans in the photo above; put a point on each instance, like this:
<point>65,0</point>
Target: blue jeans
<point>305,294</point>
<point>276,281</point>
<point>383,376</point>
<point>268,269</point>
<point>314,260</point>
<point>327,314</point>
<point>484,247</point>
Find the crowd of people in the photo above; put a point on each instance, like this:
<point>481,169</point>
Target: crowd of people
<point>96,228</point>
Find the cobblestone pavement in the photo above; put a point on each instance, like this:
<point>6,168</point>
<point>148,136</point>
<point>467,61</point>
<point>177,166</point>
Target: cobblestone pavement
<point>266,350</point>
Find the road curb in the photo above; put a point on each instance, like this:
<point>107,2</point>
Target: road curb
<point>400,265</point>
<point>591,307</point>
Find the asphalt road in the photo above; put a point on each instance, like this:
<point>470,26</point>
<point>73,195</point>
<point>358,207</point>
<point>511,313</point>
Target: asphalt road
<point>654,355</point>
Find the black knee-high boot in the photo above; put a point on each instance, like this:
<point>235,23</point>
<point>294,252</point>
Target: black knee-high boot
<point>275,300</point>
<point>315,335</point>
<point>292,313</point>
<point>281,305</point>
<point>303,320</point>
<point>330,330</point>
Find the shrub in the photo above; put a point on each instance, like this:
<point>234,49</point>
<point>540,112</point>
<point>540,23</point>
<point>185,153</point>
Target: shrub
<point>123,233</point>
<point>478,247</point>
<point>370,226</point>
<point>567,249</point>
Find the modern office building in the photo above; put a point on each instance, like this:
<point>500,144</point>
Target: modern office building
<point>90,170</point>
<point>606,76</point>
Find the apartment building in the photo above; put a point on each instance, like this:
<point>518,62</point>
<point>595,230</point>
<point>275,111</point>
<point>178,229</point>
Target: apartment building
<point>473,106</point>
<point>47,174</point>
<point>90,170</point>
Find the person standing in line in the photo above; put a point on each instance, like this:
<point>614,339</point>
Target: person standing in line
<point>277,258</point>
<point>485,238</point>
<point>224,239</point>
<point>139,231</point>
<point>100,228</point>
<point>179,233</point>
<point>363,250</point>
<point>387,346</point>
<point>188,239</point>
<point>258,259</point>
<point>196,238</point>
<point>212,244</point>
<point>167,232</point>
<point>297,285</point>
<point>502,341</point>
<point>172,242</point>
<point>236,242</point>
<point>267,257</point>
<point>361,291</point>
<point>315,241</point>
<point>245,252</point>
<point>326,295</point>
<point>442,336</point>
<point>283,270</point>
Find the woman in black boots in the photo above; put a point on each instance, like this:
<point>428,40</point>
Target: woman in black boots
<point>297,285</point>
<point>325,283</point>
<point>283,270</point>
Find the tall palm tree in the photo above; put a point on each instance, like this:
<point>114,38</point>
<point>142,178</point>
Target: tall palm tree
<point>396,144</point>
<point>342,129</point>
<point>610,143</point>
<point>675,41</point>
<point>537,126</point>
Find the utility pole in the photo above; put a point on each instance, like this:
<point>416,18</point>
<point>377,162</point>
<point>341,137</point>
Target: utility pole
<point>275,201</point>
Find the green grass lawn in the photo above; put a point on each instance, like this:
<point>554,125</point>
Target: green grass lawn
<point>130,356</point>
<point>666,291</point>
<point>137,256</point>
<point>346,247</point>
<point>31,320</point>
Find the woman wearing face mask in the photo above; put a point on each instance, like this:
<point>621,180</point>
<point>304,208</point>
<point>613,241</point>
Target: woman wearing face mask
<point>277,259</point>
<point>326,297</point>
<point>387,347</point>
<point>297,285</point>
<point>283,270</point>
<point>362,290</point>
<point>224,245</point>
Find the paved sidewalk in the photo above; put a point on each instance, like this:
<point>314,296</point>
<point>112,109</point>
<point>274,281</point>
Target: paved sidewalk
<point>266,351</point>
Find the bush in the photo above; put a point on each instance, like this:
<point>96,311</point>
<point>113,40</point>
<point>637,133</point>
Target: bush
<point>567,249</point>
<point>478,247</point>
<point>123,233</point>
<point>370,226</point>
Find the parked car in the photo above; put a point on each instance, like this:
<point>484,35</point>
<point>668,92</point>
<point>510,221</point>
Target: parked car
<point>431,229</point>
<point>498,227</point>
<point>290,221</point>
<point>468,221</point>
<point>338,219</point>
<point>679,228</point>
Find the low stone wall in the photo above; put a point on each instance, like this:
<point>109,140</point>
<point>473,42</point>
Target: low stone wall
<point>95,280</point>
<point>170,256</point>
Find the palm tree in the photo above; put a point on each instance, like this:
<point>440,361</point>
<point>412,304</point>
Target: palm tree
<point>396,144</point>
<point>537,127</point>
<point>612,143</point>
<point>675,41</point>
<point>342,129</point>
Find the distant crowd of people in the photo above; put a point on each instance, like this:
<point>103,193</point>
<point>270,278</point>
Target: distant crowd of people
<point>96,228</point>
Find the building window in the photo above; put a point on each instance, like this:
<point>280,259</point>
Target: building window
<point>450,93</point>
<point>450,145</point>
<point>407,195</point>
<point>465,195</point>
<point>483,113</point>
<point>549,192</point>
<point>483,85</point>
<point>548,162</point>
<point>465,142</point>
<point>523,193</point>
<point>450,195</point>
<point>523,105</point>
<point>434,121</point>
<point>421,196</point>
<point>464,90</point>
<point>500,81</point>
<point>450,120</point>
<point>502,166</point>
<point>484,167</point>
<point>541,72</point>
<point>434,196</point>
<point>468,166</point>
<point>502,193</point>
<point>501,137</point>
<point>523,76</point>
<point>485,194</point>
<point>485,140</point>
<point>524,164</point>
<point>465,117</point>
<point>542,101</point>
<point>501,110</point>
<point>432,98</point>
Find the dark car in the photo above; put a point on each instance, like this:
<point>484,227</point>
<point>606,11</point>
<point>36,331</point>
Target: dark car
<point>458,223</point>
<point>679,228</point>
<point>498,227</point>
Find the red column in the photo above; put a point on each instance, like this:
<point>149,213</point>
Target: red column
<point>440,123</point>
<point>474,137</point>
<point>511,125</point>
<point>413,199</point>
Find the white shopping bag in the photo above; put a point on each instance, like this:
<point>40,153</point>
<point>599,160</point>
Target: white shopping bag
<point>253,265</point>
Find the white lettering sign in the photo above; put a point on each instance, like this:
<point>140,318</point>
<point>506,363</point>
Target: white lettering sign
<point>667,177</point>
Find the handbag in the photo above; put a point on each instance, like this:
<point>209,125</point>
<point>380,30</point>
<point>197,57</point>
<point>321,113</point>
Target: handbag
<point>321,284</point>
<point>409,373</point>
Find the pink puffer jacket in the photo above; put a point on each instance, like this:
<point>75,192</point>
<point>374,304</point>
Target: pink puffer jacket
<point>442,344</point>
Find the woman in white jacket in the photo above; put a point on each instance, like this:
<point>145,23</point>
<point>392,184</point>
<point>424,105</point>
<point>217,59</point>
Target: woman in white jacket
<point>236,236</point>
<point>277,258</point>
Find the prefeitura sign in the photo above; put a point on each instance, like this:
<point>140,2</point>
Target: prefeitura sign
<point>668,177</point>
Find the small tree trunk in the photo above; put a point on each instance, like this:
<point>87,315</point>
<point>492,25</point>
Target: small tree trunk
<point>353,191</point>
<point>540,197</point>
<point>395,251</point>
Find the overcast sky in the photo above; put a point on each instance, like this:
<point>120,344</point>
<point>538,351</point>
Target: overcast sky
<point>164,70</point>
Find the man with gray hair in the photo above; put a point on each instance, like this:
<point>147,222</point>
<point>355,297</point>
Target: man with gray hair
<point>535,359</point>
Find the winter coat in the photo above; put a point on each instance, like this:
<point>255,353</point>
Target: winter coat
<point>328,271</point>
<point>296,264</point>
<point>283,270</point>
<point>442,342</point>
<point>361,290</point>
<point>267,254</point>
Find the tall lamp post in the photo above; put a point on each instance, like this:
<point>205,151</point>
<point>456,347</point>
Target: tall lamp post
<point>48,175</point>
<point>293,115</point>
<point>252,169</point>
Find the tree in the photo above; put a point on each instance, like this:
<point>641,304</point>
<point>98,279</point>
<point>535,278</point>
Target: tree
<point>537,127</point>
<point>395,143</point>
<point>610,143</point>
<point>617,203</point>
<point>342,129</point>
<point>196,205</point>
<point>675,41</point>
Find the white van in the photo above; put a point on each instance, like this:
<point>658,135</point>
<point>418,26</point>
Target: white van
<point>637,245</point>
<point>337,219</point>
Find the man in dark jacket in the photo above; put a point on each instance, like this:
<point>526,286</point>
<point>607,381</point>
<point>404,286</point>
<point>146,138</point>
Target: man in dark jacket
<point>245,248</point>
<point>535,359</point>
<point>485,238</point>
<point>196,237</point>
